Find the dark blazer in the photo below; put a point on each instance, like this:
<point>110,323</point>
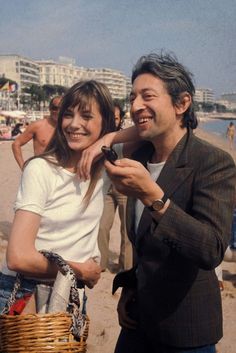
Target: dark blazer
<point>179,299</point>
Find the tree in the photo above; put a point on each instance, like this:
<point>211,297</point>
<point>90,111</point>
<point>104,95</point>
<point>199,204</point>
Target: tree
<point>207,107</point>
<point>220,108</point>
<point>37,95</point>
<point>61,90</point>
<point>49,91</point>
<point>34,95</point>
<point>4,80</point>
<point>53,90</point>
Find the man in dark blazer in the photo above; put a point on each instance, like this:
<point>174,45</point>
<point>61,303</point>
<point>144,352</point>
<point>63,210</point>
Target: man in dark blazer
<point>179,216</point>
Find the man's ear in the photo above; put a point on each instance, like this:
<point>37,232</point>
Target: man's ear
<point>183,103</point>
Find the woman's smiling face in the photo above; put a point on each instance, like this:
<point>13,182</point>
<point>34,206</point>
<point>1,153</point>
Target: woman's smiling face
<point>82,126</point>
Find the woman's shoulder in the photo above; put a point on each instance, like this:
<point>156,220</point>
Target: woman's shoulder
<point>37,162</point>
<point>39,166</point>
<point>39,172</point>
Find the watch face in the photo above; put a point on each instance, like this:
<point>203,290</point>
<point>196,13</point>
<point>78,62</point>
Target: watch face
<point>158,205</point>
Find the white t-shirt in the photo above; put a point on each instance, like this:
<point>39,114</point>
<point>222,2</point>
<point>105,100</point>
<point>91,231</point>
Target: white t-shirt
<point>155,170</point>
<point>57,196</point>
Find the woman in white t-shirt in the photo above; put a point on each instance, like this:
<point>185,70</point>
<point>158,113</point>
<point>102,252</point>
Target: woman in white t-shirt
<point>54,210</point>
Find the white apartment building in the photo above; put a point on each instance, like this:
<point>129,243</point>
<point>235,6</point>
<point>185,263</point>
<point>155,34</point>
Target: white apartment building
<point>128,86</point>
<point>54,73</point>
<point>20,69</point>
<point>229,97</point>
<point>63,73</point>
<point>204,95</point>
<point>114,79</point>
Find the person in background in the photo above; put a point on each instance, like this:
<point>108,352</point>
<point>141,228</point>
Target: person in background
<point>16,130</point>
<point>24,127</point>
<point>40,132</point>
<point>230,133</point>
<point>179,215</point>
<point>114,200</point>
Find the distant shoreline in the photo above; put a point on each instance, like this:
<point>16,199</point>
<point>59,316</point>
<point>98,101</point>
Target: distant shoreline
<point>208,116</point>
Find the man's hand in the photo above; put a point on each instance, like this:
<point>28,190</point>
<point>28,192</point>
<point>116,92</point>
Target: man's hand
<point>133,179</point>
<point>88,272</point>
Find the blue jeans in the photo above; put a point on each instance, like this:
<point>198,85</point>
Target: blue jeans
<point>27,286</point>
<point>6,287</point>
<point>133,341</point>
<point>233,233</point>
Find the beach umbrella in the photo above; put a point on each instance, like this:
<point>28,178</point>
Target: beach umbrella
<point>19,114</point>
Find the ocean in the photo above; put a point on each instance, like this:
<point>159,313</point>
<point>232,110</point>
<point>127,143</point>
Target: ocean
<point>216,126</point>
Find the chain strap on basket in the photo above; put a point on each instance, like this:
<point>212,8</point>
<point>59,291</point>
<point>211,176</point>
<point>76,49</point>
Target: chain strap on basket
<point>73,308</point>
<point>12,298</point>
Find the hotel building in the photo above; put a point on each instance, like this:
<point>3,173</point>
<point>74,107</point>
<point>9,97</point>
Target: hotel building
<point>20,69</point>
<point>63,73</point>
<point>204,95</point>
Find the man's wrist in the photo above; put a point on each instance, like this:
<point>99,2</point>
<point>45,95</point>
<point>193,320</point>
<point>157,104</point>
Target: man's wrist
<point>158,204</point>
<point>158,214</point>
<point>108,139</point>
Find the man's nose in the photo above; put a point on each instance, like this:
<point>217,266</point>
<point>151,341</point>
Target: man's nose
<point>137,104</point>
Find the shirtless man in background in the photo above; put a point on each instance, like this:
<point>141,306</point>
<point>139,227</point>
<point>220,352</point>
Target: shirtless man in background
<point>39,131</point>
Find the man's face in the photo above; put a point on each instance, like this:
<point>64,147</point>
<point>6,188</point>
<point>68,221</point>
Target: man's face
<point>152,110</point>
<point>54,110</point>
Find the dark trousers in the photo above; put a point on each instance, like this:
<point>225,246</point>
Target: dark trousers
<point>134,341</point>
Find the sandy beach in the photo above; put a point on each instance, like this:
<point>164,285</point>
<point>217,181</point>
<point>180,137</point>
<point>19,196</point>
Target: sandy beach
<point>104,327</point>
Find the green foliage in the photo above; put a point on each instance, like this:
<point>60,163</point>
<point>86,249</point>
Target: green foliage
<point>4,80</point>
<point>53,90</point>
<point>35,94</point>
<point>220,108</point>
<point>209,107</point>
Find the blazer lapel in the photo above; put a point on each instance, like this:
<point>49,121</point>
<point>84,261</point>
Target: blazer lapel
<point>173,174</point>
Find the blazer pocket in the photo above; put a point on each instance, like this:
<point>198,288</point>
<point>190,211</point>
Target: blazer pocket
<point>125,279</point>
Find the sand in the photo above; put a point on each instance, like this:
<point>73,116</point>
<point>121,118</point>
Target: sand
<point>104,327</point>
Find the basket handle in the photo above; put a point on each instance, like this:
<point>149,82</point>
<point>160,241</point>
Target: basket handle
<point>11,300</point>
<point>63,267</point>
<point>78,318</point>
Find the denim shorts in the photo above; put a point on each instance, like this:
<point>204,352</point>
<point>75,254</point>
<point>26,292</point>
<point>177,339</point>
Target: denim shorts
<point>7,284</point>
<point>27,286</point>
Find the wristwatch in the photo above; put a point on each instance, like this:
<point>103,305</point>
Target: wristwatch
<point>158,204</point>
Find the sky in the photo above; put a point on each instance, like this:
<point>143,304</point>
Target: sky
<point>115,33</point>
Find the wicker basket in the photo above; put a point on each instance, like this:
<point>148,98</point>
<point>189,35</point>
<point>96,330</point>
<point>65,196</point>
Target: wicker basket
<point>40,333</point>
